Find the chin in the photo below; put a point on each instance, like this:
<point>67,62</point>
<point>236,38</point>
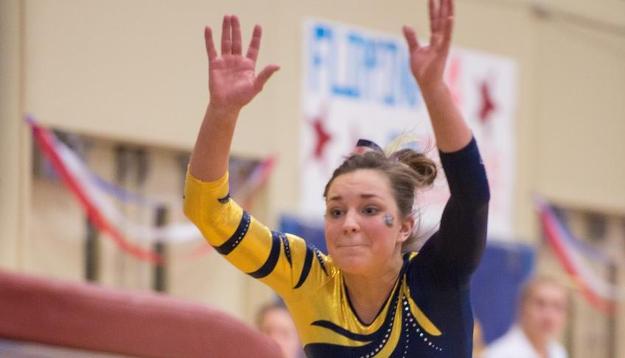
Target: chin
<point>354,266</point>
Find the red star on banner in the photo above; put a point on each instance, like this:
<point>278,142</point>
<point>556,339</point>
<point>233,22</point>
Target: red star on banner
<point>322,137</point>
<point>487,106</point>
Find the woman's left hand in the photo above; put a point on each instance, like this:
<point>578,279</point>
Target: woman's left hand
<point>428,62</point>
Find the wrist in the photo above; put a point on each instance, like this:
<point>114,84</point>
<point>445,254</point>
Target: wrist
<point>433,88</point>
<point>221,112</point>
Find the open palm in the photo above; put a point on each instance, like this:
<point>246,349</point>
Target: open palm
<point>232,79</point>
<point>428,62</point>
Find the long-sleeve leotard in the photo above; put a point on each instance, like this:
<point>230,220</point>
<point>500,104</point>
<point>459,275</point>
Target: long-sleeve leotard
<point>428,312</point>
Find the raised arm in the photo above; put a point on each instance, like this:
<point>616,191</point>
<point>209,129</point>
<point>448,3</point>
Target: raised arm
<point>284,262</point>
<point>454,251</point>
<point>232,83</point>
<point>427,63</point>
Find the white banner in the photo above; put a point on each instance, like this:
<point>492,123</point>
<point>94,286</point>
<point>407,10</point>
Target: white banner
<point>357,84</point>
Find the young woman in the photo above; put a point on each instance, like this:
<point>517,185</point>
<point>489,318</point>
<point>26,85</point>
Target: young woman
<point>367,297</point>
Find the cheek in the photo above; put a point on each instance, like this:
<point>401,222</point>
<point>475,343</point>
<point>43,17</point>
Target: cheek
<point>379,233</point>
<point>331,231</point>
<point>375,227</point>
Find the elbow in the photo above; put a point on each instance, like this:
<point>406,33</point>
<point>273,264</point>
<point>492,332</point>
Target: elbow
<point>480,196</point>
<point>481,201</point>
<point>481,193</point>
<point>190,212</point>
<point>484,196</point>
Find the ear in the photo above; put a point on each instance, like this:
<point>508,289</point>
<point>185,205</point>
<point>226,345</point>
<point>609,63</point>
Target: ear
<point>407,225</point>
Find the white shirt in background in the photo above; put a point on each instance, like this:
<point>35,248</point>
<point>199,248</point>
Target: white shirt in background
<point>514,344</point>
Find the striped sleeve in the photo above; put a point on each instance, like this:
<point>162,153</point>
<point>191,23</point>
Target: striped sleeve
<point>282,261</point>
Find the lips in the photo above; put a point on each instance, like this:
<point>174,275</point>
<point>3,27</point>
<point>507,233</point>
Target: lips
<point>348,245</point>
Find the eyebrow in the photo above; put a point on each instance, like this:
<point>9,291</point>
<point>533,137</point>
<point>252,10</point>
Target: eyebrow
<point>363,196</point>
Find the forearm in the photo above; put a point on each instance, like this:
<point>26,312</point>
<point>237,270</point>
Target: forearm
<point>464,221</point>
<point>209,159</point>
<point>450,130</point>
<point>455,250</point>
<point>466,175</point>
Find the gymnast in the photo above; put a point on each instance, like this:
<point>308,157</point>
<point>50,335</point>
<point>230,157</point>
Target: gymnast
<point>370,296</point>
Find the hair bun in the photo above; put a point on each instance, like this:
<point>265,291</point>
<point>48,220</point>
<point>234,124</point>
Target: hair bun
<point>425,169</point>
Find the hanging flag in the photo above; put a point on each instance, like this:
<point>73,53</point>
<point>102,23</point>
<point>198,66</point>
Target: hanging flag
<point>57,155</point>
<point>257,179</point>
<point>575,257</point>
<point>93,192</point>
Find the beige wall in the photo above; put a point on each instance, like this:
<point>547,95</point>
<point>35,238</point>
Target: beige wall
<point>14,139</point>
<point>580,87</point>
<point>136,71</point>
<point>113,68</point>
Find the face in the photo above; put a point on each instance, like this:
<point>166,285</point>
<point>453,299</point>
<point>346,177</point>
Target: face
<point>278,325</point>
<point>544,310</point>
<point>358,235</point>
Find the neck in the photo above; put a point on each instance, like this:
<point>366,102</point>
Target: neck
<point>538,341</point>
<point>368,293</point>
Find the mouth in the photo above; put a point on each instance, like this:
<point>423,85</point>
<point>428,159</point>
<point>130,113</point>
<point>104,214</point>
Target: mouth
<point>349,245</point>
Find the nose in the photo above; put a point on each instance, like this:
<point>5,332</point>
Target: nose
<point>350,224</point>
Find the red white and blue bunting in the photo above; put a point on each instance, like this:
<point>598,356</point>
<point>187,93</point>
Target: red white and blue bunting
<point>98,198</point>
<point>577,258</point>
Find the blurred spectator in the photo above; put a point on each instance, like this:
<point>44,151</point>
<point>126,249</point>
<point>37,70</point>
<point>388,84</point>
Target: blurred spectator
<point>541,318</point>
<point>274,320</point>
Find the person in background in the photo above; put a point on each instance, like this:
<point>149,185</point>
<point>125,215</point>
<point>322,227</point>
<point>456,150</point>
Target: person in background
<point>541,319</point>
<point>274,320</point>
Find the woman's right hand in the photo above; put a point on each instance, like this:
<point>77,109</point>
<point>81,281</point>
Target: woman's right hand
<point>232,79</point>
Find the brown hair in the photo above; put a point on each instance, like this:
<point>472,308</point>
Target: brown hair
<point>529,287</point>
<point>406,169</point>
<point>276,304</point>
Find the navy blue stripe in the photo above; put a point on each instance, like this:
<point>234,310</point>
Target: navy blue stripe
<point>236,238</point>
<point>318,256</point>
<point>287,247</point>
<point>224,199</point>
<point>306,269</point>
<point>343,332</point>
<point>410,343</point>
<point>377,335</point>
<point>272,260</point>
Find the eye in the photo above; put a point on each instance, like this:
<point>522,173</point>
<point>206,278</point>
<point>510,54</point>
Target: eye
<point>334,213</point>
<point>370,210</point>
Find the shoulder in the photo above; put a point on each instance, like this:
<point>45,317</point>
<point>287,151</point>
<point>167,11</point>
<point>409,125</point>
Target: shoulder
<point>556,350</point>
<point>511,345</point>
<point>410,256</point>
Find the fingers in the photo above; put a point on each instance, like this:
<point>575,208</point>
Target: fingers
<point>443,10</point>
<point>441,22</point>
<point>210,45</point>
<point>236,35</point>
<point>231,38</point>
<point>433,7</point>
<point>252,51</point>
<point>442,38</point>
<point>450,8</point>
<point>448,25</point>
<point>411,38</point>
<point>226,40</point>
<point>264,75</point>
